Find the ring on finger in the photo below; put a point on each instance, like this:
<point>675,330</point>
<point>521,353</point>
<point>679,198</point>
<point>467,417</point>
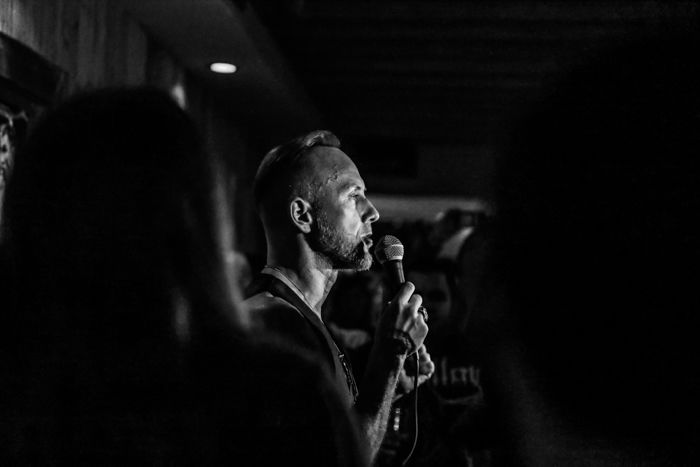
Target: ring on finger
<point>424,313</point>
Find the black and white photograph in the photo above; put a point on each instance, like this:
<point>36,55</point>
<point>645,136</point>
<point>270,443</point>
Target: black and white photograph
<point>350,233</point>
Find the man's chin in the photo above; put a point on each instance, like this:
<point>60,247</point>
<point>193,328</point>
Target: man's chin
<point>363,266</point>
<point>357,264</point>
<point>365,263</point>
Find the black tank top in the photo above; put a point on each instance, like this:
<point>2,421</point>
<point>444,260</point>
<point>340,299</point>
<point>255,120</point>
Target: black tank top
<point>338,361</point>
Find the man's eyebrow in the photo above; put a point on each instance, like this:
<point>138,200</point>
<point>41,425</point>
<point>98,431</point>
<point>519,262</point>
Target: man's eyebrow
<point>355,186</point>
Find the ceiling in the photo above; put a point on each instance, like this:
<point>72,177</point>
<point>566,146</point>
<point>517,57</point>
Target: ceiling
<point>407,85</point>
<point>263,92</point>
<point>436,71</point>
<point>414,72</point>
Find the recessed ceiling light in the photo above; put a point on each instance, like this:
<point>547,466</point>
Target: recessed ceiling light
<point>221,67</point>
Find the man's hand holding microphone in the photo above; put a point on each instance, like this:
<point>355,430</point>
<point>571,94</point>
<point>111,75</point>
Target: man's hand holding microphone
<point>403,323</point>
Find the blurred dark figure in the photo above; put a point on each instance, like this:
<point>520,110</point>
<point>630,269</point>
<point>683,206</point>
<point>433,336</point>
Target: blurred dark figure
<point>124,344</point>
<point>444,229</point>
<point>599,258</point>
<point>241,271</point>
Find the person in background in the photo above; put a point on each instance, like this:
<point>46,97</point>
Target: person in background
<point>455,427</point>
<point>597,263</point>
<point>318,220</point>
<point>124,343</point>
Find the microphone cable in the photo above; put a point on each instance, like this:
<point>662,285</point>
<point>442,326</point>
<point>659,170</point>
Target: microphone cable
<point>415,412</point>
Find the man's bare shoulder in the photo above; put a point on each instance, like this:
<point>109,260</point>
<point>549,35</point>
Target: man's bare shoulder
<point>271,313</point>
<point>264,301</point>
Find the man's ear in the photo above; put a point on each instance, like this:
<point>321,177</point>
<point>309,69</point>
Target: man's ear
<point>300,212</point>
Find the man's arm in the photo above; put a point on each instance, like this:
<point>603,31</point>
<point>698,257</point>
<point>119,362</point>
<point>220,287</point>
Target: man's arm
<point>401,331</point>
<point>377,393</point>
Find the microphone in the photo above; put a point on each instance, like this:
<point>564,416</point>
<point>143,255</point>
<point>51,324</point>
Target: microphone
<point>389,253</point>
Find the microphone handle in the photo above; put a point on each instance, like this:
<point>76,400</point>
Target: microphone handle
<point>394,272</point>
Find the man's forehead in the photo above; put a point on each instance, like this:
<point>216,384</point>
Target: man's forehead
<point>329,164</point>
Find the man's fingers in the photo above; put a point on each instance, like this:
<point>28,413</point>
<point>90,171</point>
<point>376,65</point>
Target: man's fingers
<point>404,293</point>
<point>414,303</point>
<point>425,363</point>
<point>427,368</point>
<point>405,316</point>
<point>424,357</point>
<point>410,313</point>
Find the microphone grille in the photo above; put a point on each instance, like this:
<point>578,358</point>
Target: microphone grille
<point>388,248</point>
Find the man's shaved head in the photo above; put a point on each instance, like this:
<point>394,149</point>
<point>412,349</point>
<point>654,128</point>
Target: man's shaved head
<point>309,185</point>
<point>283,171</point>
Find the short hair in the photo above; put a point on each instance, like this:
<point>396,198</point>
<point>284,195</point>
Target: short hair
<point>282,164</point>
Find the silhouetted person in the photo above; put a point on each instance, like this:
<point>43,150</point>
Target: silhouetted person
<point>125,344</point>
<point>599,263</point>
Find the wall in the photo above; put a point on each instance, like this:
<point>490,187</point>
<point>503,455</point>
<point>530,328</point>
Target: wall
<point>94,41</point>
<point>97,43</point>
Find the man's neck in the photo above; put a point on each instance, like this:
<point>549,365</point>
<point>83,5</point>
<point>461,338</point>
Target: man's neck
<point>311,282</point>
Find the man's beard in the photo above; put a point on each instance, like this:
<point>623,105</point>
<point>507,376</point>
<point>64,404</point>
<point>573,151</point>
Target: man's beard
<point>341,252</point>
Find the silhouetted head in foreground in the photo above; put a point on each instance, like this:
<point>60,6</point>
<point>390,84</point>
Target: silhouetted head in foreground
<point>125,344</point>
<point>119,230</point>
<point>600,250</point>
<point>114,203</point>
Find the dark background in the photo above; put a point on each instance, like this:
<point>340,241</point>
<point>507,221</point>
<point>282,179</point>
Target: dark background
<point>420,93</point>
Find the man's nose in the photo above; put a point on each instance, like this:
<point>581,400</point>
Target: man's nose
<point>371,214</point>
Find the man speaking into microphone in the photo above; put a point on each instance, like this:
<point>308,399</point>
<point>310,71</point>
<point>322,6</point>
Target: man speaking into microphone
<point>317,220</point>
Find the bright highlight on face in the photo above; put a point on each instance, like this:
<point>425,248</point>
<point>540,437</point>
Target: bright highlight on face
<point>342,251</point>
<point>343,213</point>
